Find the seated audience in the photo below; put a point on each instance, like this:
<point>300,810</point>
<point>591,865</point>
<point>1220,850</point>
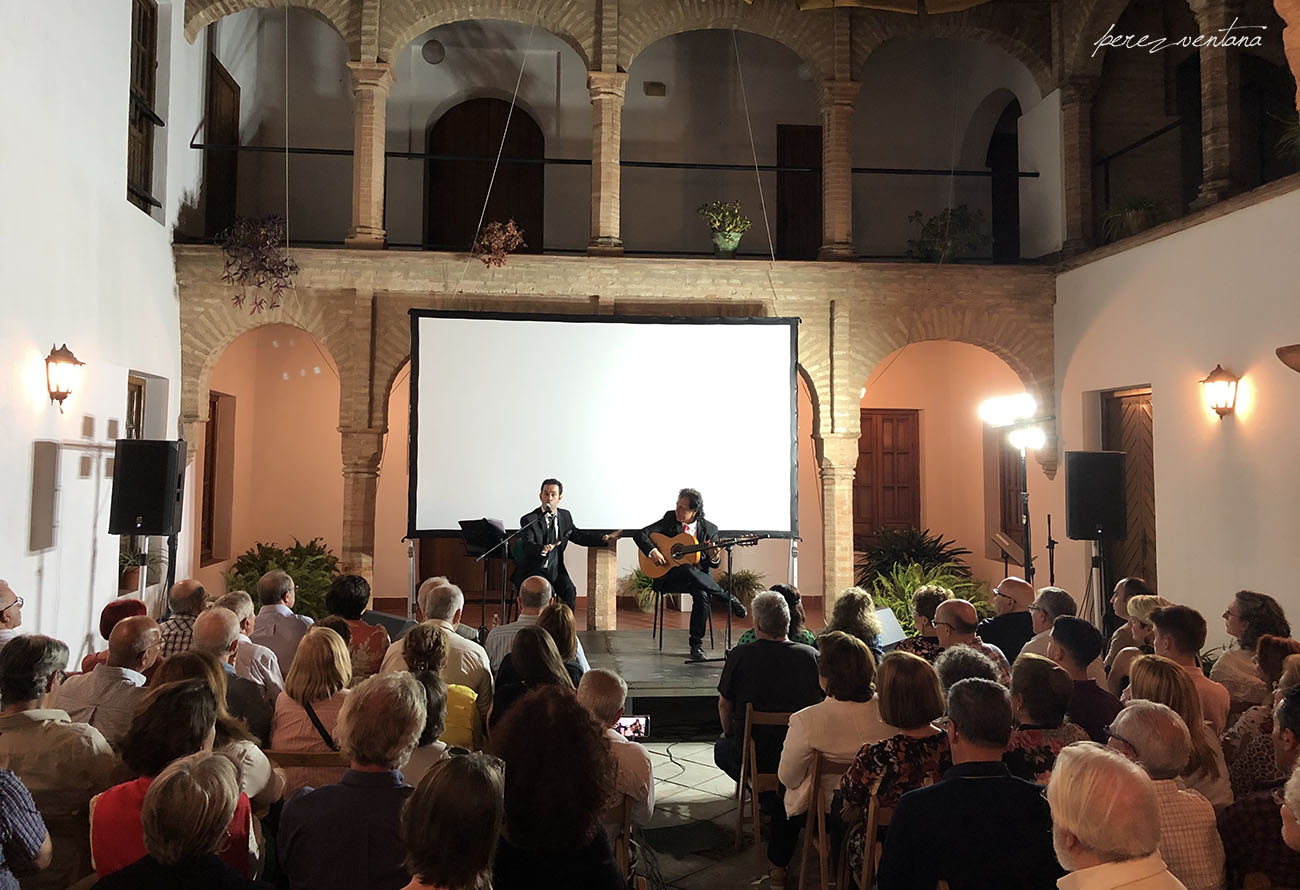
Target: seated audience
<point>1050,604</point>
<point>323,845</point>
<point>339,625</point>
<point>429,750</point>
<point>1160,680</point>
<point>184,819</point>
<point>1248,617</point>
<point>1179,636</point>
<point>307,712</point>
<point>910,699</point>
<point>558,769</point>
<point>1040,699</point>
<point>25,845</point>
<point>216,633</point>
<point>176,720</point>
<point>992,829</point>
<point>534,662</point>
<point>925,643</point>
<point>535,594</point>
<point>184,602</point>
<point>107,697</point>
<point>799,633</point>
<point>1154,737</point>
<point>1012,626</point>
<point>451,823</point>
<point>11,613</point>
<point>1252,827</point>
<point>253,661</point>
<point>963,663</point>
<point>1125,589</point>
<point>1105,825</point>
<point>1141,631</point>
<point>854,613</point>
<point>1075,645</point>
<point>63,764</point>
<point>427,648</point>
<point>277,627</point>
<point>604,693</point>
<point>1248,743</point>
<point>113,612</point>
<point>956,621</point>
<point>348,598</point>
<point>1291,807</point>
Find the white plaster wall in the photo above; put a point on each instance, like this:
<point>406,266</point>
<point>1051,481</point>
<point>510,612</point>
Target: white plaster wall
<point>1042,208</point>
<point>1165,313</point>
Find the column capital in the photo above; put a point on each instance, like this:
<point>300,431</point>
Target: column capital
<point>833,93</point>
<point>838,452</point>
<point>362,449</point>
<point>1211,15</point>
<point>371,76</point>
<point>607,84</point>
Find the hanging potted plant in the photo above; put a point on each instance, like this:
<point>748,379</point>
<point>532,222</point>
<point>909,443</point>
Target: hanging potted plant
<point>255,257</point>
<point>496,241</point>
<point>727,224</point>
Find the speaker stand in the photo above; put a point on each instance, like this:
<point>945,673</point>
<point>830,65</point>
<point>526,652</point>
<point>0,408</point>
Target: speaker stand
<point>1094,585</point>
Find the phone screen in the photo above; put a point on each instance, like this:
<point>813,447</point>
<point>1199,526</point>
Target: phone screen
<point>633,727</point>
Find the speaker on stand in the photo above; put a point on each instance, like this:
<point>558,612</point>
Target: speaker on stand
<point>148,487</point>
<point>1096,511</point>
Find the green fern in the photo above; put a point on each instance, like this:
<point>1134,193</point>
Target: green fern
<point>894,588</point>
<point>311,565</point>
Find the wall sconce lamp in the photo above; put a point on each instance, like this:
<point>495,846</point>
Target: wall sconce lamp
<point>1220,390</point>
<point>62,372</point>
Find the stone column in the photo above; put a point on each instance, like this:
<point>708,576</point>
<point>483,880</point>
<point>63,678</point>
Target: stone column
<point>361,452</point>
<point>1220,104</point>
<point>1289,10</point>
<point>602,588</point>
<point>607,89</point>
<point>836,100</point>
<point>370,84</point>
<point>839,461</point>
<point>1077,95</point>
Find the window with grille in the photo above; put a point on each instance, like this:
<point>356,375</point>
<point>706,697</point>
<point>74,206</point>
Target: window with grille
<point>142,118</point>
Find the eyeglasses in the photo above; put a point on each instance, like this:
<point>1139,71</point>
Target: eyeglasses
<point>18,601</point>
<point>943,624</point>
<point>1003,595</point>
<point>1115,735</point>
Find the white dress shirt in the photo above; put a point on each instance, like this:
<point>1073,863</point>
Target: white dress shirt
<point>500,639</point>
<point>260,665</point>
<point>280,630</point>
<point>1147,873</point>
<point>105,698</point>
<point>634,782</point>
<point>467,665</point>
<point>837,729</point>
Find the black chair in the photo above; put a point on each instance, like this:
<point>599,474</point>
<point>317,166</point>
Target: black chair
<point>661,609</point>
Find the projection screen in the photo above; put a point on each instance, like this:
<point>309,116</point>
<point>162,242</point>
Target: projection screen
<point>623,411</point>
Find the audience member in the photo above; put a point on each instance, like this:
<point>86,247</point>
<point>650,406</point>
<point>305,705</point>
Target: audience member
<point>11,613</point>
<point>799,633</point>
<point>63,764</point>
<point>1010,850</point>
<point>216,633</point>
<point>253,661</point>
<point>429,749</point>
<point>1040,699</point>
<point>604,694</point>
<point>1248,617</point>
<point>176,720</point>
<point>535,594</point>
<point>277,627</point>
<point>184,602</point>
<point>1050,604</point>
<point>854,613</point>
<point>1012,626</point>
<point>1123,638</point>
<point>25,845</point>
<point>925,643</point>
<point>113,612</point>
<point>1154,737</point>
<point>1142,632</point>
<point>349,598</point>
<point>1248,743</point>
<point>339,625</point>
<point>1252,827</point>
<point>956,622</point>
<point>558,621</point>
<point>307,712</point>
<point>1160,680</point>
<point>323,845</point>
<point>558,769</point>
<point>451,824</point>
<point>184,819</point>
<point>1291,807</point>
<point>107,697</point>
<point>963,663</point>
<point>910,699</point>
<point>441,603</point>
<point>1179,636</point>
<point>1076,644</point>
<point>534,662</point>
<point>1105,826</point>
<point>427,647</point>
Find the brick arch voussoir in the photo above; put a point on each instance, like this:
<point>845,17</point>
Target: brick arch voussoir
<point>401,21</point>
<point>1082,58</point>
<point>338,13</point>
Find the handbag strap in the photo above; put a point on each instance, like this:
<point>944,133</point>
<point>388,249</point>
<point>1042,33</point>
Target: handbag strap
<point>320,727</point>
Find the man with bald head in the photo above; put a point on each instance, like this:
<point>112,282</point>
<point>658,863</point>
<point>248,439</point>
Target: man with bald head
<point>216,632</point>
<point>535,594</point>
<point>11,613</point>
<point>956,622</point>
<point>185,600</point>
<point>107,697</point>
<point>1013,626</point>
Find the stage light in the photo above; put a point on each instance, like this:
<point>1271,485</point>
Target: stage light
<point>62,373</point>
<point>1007,410</point>
<point>1220,390</point>
<point>1029,437</point>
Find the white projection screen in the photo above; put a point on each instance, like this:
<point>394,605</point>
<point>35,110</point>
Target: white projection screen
<point>624,411</point>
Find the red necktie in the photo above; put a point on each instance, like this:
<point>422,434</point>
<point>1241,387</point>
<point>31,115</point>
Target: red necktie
<point>686,528</point>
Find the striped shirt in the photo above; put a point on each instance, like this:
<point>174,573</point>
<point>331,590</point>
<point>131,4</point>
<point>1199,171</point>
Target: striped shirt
<point>22,831</point>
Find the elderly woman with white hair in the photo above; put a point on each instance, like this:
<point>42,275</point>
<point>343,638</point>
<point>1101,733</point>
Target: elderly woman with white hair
<point>1105,822</point>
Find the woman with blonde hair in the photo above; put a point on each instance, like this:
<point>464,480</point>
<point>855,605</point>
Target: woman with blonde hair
<point>1142,632</point>
<point>426,649</point>
<point>1161,680</point>
<point>855,613</point>
<point>307,712</point>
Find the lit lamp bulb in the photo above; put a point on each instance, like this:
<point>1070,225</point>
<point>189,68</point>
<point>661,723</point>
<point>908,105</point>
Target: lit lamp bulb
<point>1006,410</point>
<point>1029,438</point>
<point>1220,390</point>
<point>62,373</point>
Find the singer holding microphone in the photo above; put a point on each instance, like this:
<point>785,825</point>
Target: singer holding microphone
<point>546,532</point>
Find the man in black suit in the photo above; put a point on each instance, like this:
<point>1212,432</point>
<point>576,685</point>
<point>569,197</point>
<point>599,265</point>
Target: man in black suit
<point>547,532</point>
<point>697,580</point>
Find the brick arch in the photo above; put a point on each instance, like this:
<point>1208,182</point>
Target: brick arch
<point>338,13</point>
<point>808,35</point>
<point>401,21</point>
<point>958,26</point>
<point>808,380</point>
<point>1093,19</point>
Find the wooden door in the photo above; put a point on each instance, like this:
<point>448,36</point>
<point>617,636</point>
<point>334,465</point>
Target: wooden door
<point>1126,425</point>
<point>887,482</point>
<point>220,168</point>
<point>798,195</point>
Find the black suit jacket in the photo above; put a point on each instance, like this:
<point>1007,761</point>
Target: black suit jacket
<point>668,525</point>
<point>551,566</point>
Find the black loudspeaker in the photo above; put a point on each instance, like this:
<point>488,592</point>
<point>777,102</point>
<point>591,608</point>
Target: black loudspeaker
<point>148,482</point>
<point>1095,507</point>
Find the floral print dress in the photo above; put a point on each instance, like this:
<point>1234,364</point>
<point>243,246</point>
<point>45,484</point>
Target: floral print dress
<point>1031,752</point>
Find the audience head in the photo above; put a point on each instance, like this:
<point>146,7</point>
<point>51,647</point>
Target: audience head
<point>603,693</point>
<point>557,620</point>
<point>31,666</point>
<point>1103,808</point>
<point>426,647</point>
<point>854,613</point>
<point>1075,643</point>
<point>451,822</point>
<point>276,588</point>
<point>186,597</point>
<point>348,596</point>
<point>134,643</point>
<point>1158,679</point>
<point>435,706</point>
<point>175,719</point>
<point>963,663</point>
<point>11,607</point>
<point>845,666</point>
<point>1140,609</point>
<point>795,602</point>
<point>1250,615</point>
<point>1012,595</point>
<point>955,622</point>
<point>1286,730</point>
<point>1179,632</point>
<point>1290,810</point>
<point>534,656</point>
<point>979,717</point>
<point>1050,604</point>
<point>534,594</point>
<point>1270,652</point>
<point>771,616</point>
<point>440,600</point>
<point>1125,590</point>
<point>1290,675</point>
<point>925,599</point>
<point>217,631</point>
<point>118,609</point>
<point>558,769</point>
<point>1153,736</point>
<point>381,720</point>
<point>239,602</point>
<point>339,625</point>
<point>1040,691</point>
<point>909,692</point>
<point>321,667</point>
<point>197,664</point>
<point>189,807</point>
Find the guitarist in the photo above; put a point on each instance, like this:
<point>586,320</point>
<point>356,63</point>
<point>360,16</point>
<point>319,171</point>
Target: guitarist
<point>697,580</point>
<point>547,532</point>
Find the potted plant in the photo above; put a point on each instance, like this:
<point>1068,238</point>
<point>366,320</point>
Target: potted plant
<point>496,240</point>
<point>311,565</point>
<point>952,233</point>
<point>640,586</point>
<point>255,257</point>
<point>747,584</point>
<point>727,224</point>
<point>1130,216</point>
<point>129,562</point>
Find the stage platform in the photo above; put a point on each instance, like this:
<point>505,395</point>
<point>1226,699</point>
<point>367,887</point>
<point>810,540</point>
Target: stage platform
<point>634,655</point>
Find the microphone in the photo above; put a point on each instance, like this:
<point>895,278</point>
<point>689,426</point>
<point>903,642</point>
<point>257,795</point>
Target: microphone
<point>546,508</point>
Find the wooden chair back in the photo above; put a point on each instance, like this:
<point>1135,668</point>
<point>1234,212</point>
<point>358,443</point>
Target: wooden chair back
<point>329,759</point>
<point>623,842</point>
<point>750,777</point>
<point>877,818</point>
<point>814,833</point>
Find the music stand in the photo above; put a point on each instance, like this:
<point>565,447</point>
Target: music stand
<point>483,537</point>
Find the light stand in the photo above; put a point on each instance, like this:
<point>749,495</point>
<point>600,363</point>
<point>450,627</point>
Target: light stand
<point>1024,515</point>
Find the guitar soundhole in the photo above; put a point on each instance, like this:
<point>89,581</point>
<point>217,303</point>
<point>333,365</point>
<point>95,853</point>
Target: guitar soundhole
<point>677,551</point>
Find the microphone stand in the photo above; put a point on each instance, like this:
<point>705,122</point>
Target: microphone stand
<point>505,560</point>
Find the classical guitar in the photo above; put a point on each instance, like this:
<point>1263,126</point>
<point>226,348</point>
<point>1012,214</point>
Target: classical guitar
<point>685,550</point>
